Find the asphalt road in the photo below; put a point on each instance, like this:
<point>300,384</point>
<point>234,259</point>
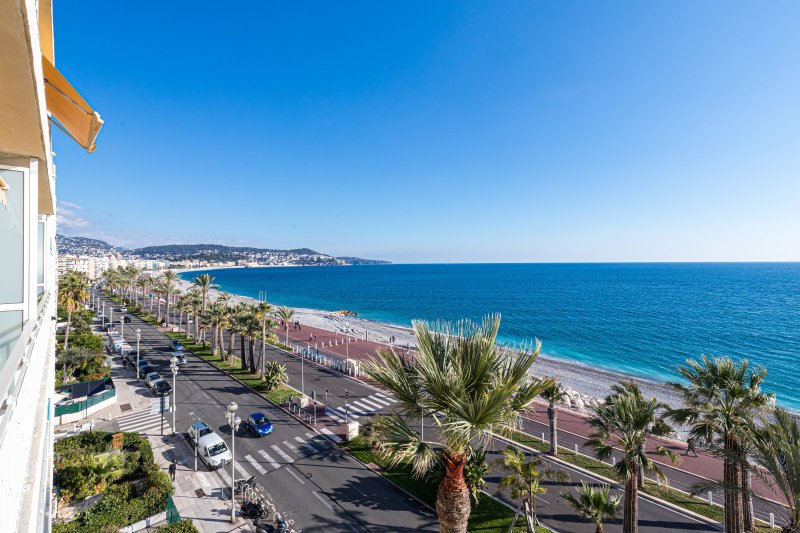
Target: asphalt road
<point>308,479</point>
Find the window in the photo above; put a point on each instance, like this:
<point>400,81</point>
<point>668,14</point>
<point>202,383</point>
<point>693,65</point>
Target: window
<point>12,236</point>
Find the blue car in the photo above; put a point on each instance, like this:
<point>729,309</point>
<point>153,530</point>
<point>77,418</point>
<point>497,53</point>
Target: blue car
<point>176,346</point>
<point>259,424</point>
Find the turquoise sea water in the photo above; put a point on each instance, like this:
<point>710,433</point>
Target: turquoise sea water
<point>642,319</point>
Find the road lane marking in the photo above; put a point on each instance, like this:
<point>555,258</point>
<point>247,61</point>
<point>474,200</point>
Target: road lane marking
<point>296,476</point>
<point>291,447</point>
<point>372,403</point>
<point>239,468</point>
<point>334,416</point>
<point>323,500</point>
<point>331,434</point>
<point>364,407</point>
<point>270,460</point>
<point>386,397</point>
<point>260,469</point>
<point>283,454</point>
<point>306,444</point>
<point>349,412</point>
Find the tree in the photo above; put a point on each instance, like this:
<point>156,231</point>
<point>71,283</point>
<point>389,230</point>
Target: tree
<point>263,310</point>
<point>594,503</point>
<point>143,284</point>
<point>72,292</point>
<point>168,278</point>
<point>626,420</point>
<point>285,314</point>
<point>215,314</point>
<point>720,399</point>
<point>474,472</point>
<point>777,451</point>
<point>194,302</point>
<point>70,359</point>
<point>205,282</point>
<point>553,395</point>
<point>275,375</point>
<point>475,388</point>
<point>524,479</point>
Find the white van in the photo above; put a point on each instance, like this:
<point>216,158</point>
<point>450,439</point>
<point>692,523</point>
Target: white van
<point>210,446</point>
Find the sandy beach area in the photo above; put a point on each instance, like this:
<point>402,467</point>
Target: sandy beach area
<point>587,381</point>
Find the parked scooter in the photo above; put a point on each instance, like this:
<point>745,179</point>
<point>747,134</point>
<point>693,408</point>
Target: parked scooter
<point>254,509</point>
<point>242,485</point>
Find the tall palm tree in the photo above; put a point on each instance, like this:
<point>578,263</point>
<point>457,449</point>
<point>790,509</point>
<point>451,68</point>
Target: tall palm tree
<point>168,278</point>
<point>142,284</point>
<point>720,399</point>
<point>72,293</point>
<point>215,314</point>
<point>777,451</point>
<point>524,479</point>
<point>285,314</point>
<point>194,301</point>
<point>594,503</point>
<point>263,310</point>
<point>233,313</point>
<point>626,420</point>
<point>475,387</point>
<point>553,395</point>
<point>205,282</point>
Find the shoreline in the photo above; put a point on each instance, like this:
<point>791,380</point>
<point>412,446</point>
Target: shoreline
<point>582,381</point>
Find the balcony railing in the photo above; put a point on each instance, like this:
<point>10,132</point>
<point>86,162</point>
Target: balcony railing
<point>13,371</point>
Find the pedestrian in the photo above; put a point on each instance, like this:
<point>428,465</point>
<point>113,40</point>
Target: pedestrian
<point>690,446</point>
<point>124,362</point>
<point>173,467</point>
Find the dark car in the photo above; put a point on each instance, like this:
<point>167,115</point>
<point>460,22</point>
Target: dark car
<point>145,368</point>
<point>161,388</point>
<point>127,320</point>
<point>259,424</point>
<point>130,356</point>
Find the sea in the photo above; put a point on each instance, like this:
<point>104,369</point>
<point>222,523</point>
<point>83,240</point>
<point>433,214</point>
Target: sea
<point>641,319</point>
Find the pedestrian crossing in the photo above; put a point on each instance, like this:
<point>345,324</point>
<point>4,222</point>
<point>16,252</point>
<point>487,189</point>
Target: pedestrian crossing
<point>146,420</point>
<point>277,455</point>
<point>361,407</point>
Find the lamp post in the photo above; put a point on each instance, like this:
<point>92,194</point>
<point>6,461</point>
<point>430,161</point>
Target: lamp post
<point>347,348</point>
<point>234,422</point>
<point>122,327</point>
<point>173,365</point>
<point>138,338</point>
<point>302,376</point>
<point>104,312</point>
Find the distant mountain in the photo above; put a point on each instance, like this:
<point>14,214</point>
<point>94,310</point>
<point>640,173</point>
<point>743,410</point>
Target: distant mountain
<point>209,252</point>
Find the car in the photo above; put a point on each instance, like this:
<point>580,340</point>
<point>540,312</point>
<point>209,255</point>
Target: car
<point>123,309</point>
<point>259,424</point>
<point>145,368</point>
<point>180,358</point>
<point>198,430</point>
<point>151,378</point>
<point>213,450</point>
<point>130,356</point>
<point>161,388</point>
<point>176,346</point>
<point>127,320</point>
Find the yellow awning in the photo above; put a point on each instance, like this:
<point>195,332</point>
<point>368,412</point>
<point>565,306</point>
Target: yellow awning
<point>68,110</point>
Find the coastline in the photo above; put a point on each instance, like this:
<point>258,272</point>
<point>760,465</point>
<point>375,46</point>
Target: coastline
<point>581,380</point>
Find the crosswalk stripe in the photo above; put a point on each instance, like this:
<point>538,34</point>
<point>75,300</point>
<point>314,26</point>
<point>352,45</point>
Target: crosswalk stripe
<point>364,406</point>
<point>282,453</point>
<point>372,403</point>
<point>331,434</point>
<point>240,469</point>
<point>349,412</point>
<point>334,416</point>
<point>310,435</point>
<point>292,447</point>
<point>269,459</point>
<point>380,400</point>
<point>306,444</point>
<point>260,469</point>
<point>386,397</point>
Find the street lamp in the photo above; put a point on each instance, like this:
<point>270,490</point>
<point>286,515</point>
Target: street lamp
<point>234,422</point>
<point>104,311</point>
<point>347,349</point>
<point>122,327</point>
<point>173,365</point>
<point>138,338</point>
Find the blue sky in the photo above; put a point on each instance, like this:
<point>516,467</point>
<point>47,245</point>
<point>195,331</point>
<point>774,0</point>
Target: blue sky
<point>439,131</point>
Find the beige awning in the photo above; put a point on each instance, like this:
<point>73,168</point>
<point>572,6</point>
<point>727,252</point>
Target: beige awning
<point>68,110</point>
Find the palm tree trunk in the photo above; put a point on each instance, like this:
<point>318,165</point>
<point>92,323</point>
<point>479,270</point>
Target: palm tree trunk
<point>230,341</point>
<point>598,527</point>
<point>747,496</point>
<point>553,416</point>
<point>640,473</point>
<point>243,353</point>
<point>66,331</point>
<point>263,346</point>
<point>516,515</point>
<point>213,341</point>
<point>252,346</point>
<point>734,517</point>
<point>530,518</point>
<point>452,497</point>
<point>630,519</point>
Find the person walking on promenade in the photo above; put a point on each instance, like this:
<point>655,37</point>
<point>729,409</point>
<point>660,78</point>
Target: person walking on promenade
<point>690,446</point>
<point>173,467</point>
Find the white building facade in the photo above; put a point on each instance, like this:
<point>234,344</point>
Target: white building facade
<point>33,96</point>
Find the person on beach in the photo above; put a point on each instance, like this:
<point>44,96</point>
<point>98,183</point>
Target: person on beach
<point>690,446</point>
<point>173,467</point>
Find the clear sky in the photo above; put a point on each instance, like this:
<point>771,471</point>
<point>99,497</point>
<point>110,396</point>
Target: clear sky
<point>439,131</point>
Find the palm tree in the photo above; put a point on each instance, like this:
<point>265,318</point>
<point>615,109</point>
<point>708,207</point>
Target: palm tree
<point>285,314</point>
<point>263,312</point>
<point>205,282</point>
<point>475,388</point>
<point>720,399</point>
<point>168,278</point>
<point>553,395</point>
<point>524,481</point>
<point>777,451</point>
<point>594,503</point>
<point>215,314</point>
<point>274,375</point>
<point>143,283</point>
<point>626,420</point>
<point>194,301</point>
<point>72,292</point>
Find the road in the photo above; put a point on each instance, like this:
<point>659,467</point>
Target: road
<point>309,479</point>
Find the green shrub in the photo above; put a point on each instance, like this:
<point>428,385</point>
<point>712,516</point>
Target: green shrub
<point>90,341</point>
<point>181,526</point>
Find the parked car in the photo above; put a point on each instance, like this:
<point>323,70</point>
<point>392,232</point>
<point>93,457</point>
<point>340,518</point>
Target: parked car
<point>123,309</point>
<point>145,368</point>
<point>127,320</point>
<point>198,430</point>
<point>151,378</point>
<point>181,358</point>
<point>259,424</point>
<point>213,451</point>
<point>176,345</point>
<point>130,356</point>
<point>161,388</point>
